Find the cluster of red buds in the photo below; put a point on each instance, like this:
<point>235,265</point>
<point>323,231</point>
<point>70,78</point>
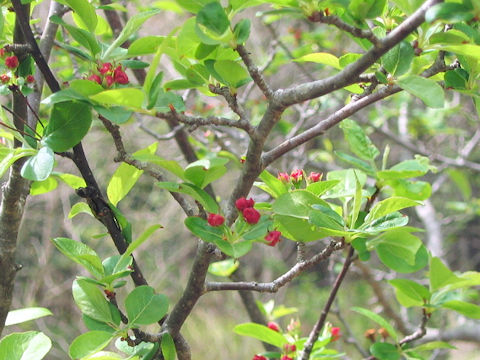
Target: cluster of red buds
<point>335,332</point>
<point>215,219</point>
<point>11,63</point>
<point>107,75</point>
<point>298,175</point>
<point>245,206</point>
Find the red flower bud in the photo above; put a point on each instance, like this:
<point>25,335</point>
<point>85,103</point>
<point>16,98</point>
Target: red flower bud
<point>289,348</point>
<point>2,52</point>
<point>251,215</point>
<point>283,177</point>
<point>120,76</point>
<point>4,78</point>
<point>30,79</point>
<point>285,357</point>
<point>259,357</point>
<point>244,203</point>
<point>315,176</point>
<point>11,62</point>
<point>106,67</point>
<point>297,175</point>
<point>215,219</point>
<point>273,237</point>
<point>95,78</point>
<point>335,331</point>
<point>109,80</point>
<point>273,326</point>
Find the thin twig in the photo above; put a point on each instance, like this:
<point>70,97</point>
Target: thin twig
<point>312,338</point>
<point>254,72</point>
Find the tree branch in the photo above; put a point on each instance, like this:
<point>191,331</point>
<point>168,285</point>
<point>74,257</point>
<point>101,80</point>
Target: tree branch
<point>276,284</point>
<point>254,72</point>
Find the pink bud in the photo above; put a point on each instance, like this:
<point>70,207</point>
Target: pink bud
<point>120,76</point>
<point>95,78</point>
<point>273,237</point>
<point>297,175</point>
<point>243,203</point>
<point>251,215</point>
<point>273,326</point>
<point>335,331</point>
<point>315,176</point>
<point>11,62</point>
<point>283,177</point>
<point>215,219</point>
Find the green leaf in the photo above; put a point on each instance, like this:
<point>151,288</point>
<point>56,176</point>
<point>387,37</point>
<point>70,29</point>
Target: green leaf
<point>203,172</point>
<point>427,90</point>
<point>69,123</point>
<point>224,268</point>
<point>464,308</point>
<point>26,314</point>
<point>415,190</point>
<point>115,114</point>
<point>358,163</point>
<point>235,250</point>
<point>145,45</point>
<point>241,31</point>
<point>31,345</point>
<point>409,293</point>
<point>89,343</point>
<point>456,79</point>
<point>391,257</point>
<point>359,142</point>
<point>384,223</point>
<point>93,324</point>
<point>80,89</point>
<point>325,217</point>
<point>232,73</point>
<point>299,229</point>
<point>169,165</point>
<point>145,307</point>
<point>262,333</point>
<point>129,97</point>
<point>83,37</point>
<point>397,61</point>
<point>132,25</point>
<point>385,351</point>
<point>195,192</point>
<point>78,208</point>
<point>81,254</point>
<point>66,95</point>
<point>357,203</point>
<point>91,301</point>
<point>168,347</point>
<point>321,58</point>
<point>85,11</point>
<point>271,185</point>
<point>432,345</point>
<point>440,275</point>
<point>389,206</point>
<point>214,18</point>
<point>406,169</point>
<point>39,166</point>
<point>259,230</point>
<point>164,100</point>
<point>320,187</point>
<point>297,204</point>
<point>126,176</point>
<point>203,230</point>
<point>378,319</point>
<point>155,90</point>
<point>450,12</point>
<point>367,9</point>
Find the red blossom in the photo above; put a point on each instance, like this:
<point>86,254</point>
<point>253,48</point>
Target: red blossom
<point>251,215</point>
<point>11,62</point>
<point>4,78</point>
<point>109,80</point>
<point>289,348</point>
<point>273,326</point>
<point>106,67</point>
<point>30,79</point>
<point>259,357</point>
<point>2,52</point>
<point>215,219</point>
<point>283,177</point>
<point>285,357</point>
<point>335,331</point>
<point>273,237</point>
<point>244,203</point>
<point>120,76</point>
<point>315,176</point>
<point>297,175</point>
<point>95,78</point>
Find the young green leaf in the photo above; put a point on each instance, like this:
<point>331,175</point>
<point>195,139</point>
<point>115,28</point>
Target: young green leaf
<point>359,142</point>
<point>440,275</point>
<point>427,90</point>
<point>241,31</point>
<point>271,184</point>
<point>320,58</point>
<point>26,314</point>
<point>81,254</point>
<point>464,308</point>
<point>145,307</point>
<point>83,37</point>
<point>39,166</point>
<point>214,18</point>
<point>89,343</point>
<point>224,268</point>
<point>129,97</point>
<point>85,11</point>
<point>91,301</point>
<point>203,172</point>
<point>262,333</point>
<point>69,123</point>
<point>168,347</point>
<point>410,293</point>
<point>385,351</point>
<point>195,192</point>
<point>203,230</point>
<point>31,345</point>
<point>397,61</point>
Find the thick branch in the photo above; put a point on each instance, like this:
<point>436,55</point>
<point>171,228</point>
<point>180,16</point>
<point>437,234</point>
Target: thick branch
<point>348,75</point>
